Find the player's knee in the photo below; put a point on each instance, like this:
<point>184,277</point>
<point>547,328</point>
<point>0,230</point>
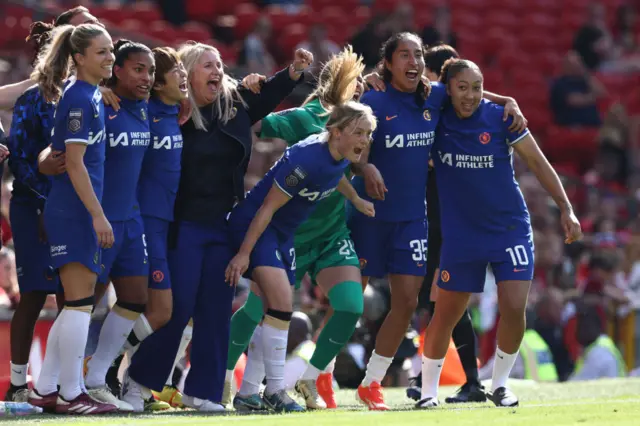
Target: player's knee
<point>404,302</point>
<point>159,317</point>
<point>128,310</point>
<point>83,305</point>
<point>347,297</point>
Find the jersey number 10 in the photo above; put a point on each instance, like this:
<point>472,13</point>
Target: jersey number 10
<point>518,255</point>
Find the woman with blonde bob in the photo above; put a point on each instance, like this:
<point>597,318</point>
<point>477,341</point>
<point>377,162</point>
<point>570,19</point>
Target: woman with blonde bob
<point>323,249</point>
<point>265,223</point>
<point>215,156</point>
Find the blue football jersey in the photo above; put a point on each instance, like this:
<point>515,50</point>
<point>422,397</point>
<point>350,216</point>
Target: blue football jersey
<point>307,173</point>
<point>160,175</point>
<point>400,149</point>
<point>480,199</point>
<point>79,118</point>
<point>128,138</point>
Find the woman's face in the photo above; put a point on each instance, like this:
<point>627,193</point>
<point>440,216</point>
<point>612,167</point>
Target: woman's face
<point>136,76</point>
<point>96,62</point>
<point>174,88</point>
<point>465,89</point>
<point>407,65</point>
<point>206,78</point>
<point>354,138</point>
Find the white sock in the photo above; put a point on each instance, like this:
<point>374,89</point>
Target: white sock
<point>73,333</point>
<point>114,333</point>
<point>254,370</point>
<point>19,374</point>
<point>274,345</point>
<point>182,350</point>
<point>311,373</point>
<point>431,370</point>
<point>502,368</point>
<point>376,369</point>
<point>330,367</point>
<point>141,329</point>
<point>50,371</point>
<point>228,376</point>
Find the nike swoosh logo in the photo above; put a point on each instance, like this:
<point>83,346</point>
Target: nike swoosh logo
<point>17,372</point>
<point>391,118</point>
<point>111,117</point>
<point>237,344</point>
<point>519,270</point>
<point>155,120</point>
<point>334,342</point>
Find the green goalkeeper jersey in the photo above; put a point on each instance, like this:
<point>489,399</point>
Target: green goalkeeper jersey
<point>294,125</point>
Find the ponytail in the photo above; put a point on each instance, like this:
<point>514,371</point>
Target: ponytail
<point>53,63</point>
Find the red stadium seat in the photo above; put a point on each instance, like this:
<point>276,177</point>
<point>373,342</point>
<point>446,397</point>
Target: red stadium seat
<point>548,63</point>
<point>132,25</point>
<point>534,42</point>
<point>195,31</point>
<point>467,21</point>
<point>247,15</point>
<point>361,16</point>
<point>162,30</point>
<point>291,36</point>
<point>467,6</point>
<point>503,20</point>
<point>540,22</point>
<point>203,11</point>
<point>500,6</point>
<point>279,18</point>
<point>145,11</point>
<point>545,7</point>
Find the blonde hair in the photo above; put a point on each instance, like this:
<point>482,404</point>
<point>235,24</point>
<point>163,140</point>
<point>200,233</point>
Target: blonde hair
<point>190,54</point>
<point>53,65</point>
<point>344,114</point>
<point>337,79</point>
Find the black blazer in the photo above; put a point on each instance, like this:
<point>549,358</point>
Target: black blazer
<point>195,200</point>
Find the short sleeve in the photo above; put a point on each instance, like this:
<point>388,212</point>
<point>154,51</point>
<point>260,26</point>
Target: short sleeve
<point>514,137</point>
<point>438,95</point>
<point>292,176</point>
<point>78,116</point>
<point>287,125</point>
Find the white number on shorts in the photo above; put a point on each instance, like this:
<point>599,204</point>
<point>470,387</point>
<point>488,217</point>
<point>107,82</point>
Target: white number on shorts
<point>518,255</point>
<point>346,249</point>
<point>419,248</point>
<point>292,253</point>
<point>144,244</point>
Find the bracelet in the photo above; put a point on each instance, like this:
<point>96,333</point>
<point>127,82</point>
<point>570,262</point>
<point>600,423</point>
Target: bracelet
<point>296,71</point>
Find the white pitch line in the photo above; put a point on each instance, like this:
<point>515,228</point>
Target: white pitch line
<point>232,418</point>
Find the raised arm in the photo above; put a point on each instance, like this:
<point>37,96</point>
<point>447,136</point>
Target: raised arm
<point>277,88</point>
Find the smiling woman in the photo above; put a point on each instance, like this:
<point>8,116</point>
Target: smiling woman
<point>76,225</point>
<point>125,263</point>
<point>215,156</point>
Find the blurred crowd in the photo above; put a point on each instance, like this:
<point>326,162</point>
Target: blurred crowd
<point>592,138</point>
